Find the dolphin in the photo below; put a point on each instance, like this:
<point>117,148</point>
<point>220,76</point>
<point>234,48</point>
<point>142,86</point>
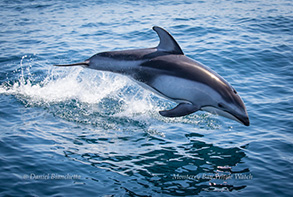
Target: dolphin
<point>166,71</point>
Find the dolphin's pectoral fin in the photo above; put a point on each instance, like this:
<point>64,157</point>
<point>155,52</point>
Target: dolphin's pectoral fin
<point>182,109</point>
<point>167,42</point>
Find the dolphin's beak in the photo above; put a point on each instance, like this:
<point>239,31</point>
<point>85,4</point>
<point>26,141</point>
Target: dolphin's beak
<point>239,117</point>
<point>243,119</point>
<point>85,64</point>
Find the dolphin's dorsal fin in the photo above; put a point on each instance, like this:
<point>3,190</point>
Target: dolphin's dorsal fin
<point>167,42</point>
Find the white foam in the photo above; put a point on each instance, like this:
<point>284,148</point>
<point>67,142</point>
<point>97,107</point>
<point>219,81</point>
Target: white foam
<point>137,105</point>
<point>63,88</point>
<point>62,85</point>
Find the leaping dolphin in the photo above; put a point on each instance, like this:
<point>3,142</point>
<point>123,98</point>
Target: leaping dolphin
<point>166,71</point>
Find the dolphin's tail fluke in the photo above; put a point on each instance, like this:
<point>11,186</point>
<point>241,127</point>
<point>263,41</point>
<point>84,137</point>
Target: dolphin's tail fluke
<point>85,63</point>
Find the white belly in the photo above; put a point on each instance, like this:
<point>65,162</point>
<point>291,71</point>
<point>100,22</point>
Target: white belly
<point>183,90</point>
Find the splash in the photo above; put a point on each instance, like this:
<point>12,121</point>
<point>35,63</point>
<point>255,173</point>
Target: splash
<point>58,86</point>
<point>80,87</point>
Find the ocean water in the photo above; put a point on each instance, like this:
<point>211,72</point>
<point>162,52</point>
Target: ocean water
<point>78,132</point>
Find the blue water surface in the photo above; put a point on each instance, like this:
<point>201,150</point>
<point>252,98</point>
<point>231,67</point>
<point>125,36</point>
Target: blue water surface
<point>78,132</point>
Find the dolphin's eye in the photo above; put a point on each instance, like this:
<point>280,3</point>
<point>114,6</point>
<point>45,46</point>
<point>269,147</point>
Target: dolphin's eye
<point>235,92</point>
<point>220,105</point>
